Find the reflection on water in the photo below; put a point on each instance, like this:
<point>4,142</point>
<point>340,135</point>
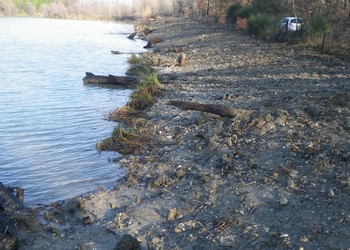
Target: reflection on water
<point>50,120</point>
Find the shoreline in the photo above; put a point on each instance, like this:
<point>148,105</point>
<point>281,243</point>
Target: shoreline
<point>265,179</point>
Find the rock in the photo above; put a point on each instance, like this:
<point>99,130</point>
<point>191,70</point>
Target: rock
<point>7,242</point>
<point>128,243</point>
<point>330,193</point>
<point>180,228</point>
<point>124,161</point>
<point>181,60</point>
<point>138,199</point>
<point>87,220</point>
<point>283,201</point>
<point>53,230</point>
<point>229,141</point>
<point>173,214</point>
<point>112,205</point>
<point>160,181</point>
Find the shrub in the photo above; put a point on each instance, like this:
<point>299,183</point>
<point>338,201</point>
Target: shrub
<point>245,11</point>
<point>231,13</point>
<point>270,6</point>
<point>317,25</point>
<point>263,26</point>
<point>316,30</point>
<point>233,8</point>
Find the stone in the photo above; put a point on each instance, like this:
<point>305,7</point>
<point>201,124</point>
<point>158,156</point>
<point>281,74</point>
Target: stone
<point>128,243</point>
<point>173,213</point>
<point>330,193</point>
<point>7,242</point>
<point>283,201</point>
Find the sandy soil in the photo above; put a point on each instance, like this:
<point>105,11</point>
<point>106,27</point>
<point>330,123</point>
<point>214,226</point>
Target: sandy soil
<point>275,176</point>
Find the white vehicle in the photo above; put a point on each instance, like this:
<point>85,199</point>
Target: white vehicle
<point>291,23</point>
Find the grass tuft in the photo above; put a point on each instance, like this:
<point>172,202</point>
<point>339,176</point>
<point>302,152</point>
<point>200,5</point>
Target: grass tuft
<point>119,139</point>
<point>127,140</point>
<point>151,83</point>
<point>140,70</point>
<point>134,59</point>
<point>141,99</point>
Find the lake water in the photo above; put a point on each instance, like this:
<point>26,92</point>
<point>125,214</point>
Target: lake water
<point>49,120</point>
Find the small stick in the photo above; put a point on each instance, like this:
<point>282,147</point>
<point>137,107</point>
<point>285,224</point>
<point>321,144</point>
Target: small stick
<point>205,228</point>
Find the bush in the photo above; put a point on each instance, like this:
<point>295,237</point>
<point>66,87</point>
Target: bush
<point>270,6</point>
<point>231,13</point>
<point>245,11</point>
<point>233,9</point>
<point>316,29</point>
<point>263,26</point>
<point>317,25</point>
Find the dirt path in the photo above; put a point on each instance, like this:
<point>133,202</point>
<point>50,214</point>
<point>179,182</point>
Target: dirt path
<point>276,176</point>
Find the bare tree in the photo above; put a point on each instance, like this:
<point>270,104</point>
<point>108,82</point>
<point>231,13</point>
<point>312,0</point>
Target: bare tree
<point>7,7</point>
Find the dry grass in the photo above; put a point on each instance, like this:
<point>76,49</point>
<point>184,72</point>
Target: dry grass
<point>141,99</point>
<point>128,140</point>
<point>133,136</point>
<point>124,114</point>
<point>134,59</point>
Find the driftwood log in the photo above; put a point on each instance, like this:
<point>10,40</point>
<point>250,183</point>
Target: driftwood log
<point>116,52</point>
<point>217,109</point>
<point>110,79</point>
<point>132,36</point>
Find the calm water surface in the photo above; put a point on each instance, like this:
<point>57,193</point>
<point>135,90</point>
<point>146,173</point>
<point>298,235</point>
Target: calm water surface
<point>49,120</point>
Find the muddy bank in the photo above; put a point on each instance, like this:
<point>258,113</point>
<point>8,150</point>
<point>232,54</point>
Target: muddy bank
<point>274,176</point>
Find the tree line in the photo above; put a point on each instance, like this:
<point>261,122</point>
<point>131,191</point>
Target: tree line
<point>326,20</point>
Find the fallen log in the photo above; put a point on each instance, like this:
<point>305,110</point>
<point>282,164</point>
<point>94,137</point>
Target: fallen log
<point>217,109</point>
<point>110,79</point>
